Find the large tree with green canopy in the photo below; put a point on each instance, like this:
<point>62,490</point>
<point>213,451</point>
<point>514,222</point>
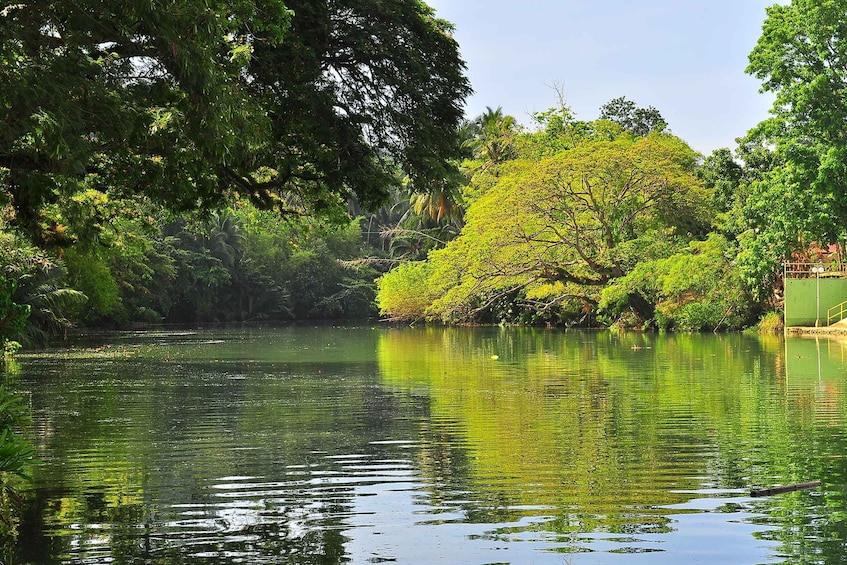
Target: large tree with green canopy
<point>801,57</point>
<point>559,228</point>
<point>297,105</point>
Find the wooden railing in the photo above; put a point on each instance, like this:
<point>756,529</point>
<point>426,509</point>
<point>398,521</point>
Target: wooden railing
<point>836,313</point>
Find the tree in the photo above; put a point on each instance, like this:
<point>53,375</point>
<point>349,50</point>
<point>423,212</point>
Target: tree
<point>560,228</point>
<point>494,139</point>
<point>637,121</point>
<point>38,284</point>
<point>800,57</point>
<point>724,175</point>
<point>42,285</point>
<point>12,315</point>
<point>695,289</point>
<point>405,293</point>
<point>296,105</point>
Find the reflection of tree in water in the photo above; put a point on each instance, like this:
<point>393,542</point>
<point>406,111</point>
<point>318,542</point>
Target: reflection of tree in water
<point>601,433</point>
<point>443,460</point>
<point>141,455</point>
<point>558,438</point>
<point>811,526</point>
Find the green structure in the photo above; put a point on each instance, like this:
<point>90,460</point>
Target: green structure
<point>811,294</point>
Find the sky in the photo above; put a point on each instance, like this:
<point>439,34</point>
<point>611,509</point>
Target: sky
<point>684,57</point>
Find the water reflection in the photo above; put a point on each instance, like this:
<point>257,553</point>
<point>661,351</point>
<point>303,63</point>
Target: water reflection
<point>323,445</point>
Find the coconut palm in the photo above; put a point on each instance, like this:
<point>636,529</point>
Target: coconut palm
<point>494,139</point>
<point>225,238</point>
<point>441,205</point>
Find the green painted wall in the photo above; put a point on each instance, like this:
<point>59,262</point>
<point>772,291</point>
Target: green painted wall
<point>801,299</point>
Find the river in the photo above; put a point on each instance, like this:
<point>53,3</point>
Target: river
<point>367,444</point>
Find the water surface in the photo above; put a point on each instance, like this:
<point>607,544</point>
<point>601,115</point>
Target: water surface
<point>369,444</point>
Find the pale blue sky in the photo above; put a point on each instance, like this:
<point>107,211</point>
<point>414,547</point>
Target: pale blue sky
<point>685,57</point>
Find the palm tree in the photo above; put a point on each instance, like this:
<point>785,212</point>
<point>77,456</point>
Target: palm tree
<point>226,242</point>
<point>443,204</point>
<point>225,238</point>
<point>494,139</point>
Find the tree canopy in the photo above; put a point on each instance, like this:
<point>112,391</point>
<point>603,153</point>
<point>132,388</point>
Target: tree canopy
<point>296,105</point>
<point>558,227</point>
<point>801,57</point>
<point>638,121</point>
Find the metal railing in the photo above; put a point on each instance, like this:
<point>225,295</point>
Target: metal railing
<point>805,270</point>
<point>836,313</point>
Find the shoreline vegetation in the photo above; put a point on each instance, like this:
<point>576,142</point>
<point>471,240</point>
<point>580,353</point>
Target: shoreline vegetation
<point>422,216</point>
<point>291,160</point>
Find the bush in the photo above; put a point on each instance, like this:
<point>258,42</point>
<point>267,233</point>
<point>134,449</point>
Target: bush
<point>405,293</point>
<point>12,315</point>
<point>771,323</point>
<point>699,289</point>
<point>16,457</point>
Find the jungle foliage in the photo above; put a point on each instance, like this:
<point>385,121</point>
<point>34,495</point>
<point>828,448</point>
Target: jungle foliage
<point>168,211</point>
<point>563,226</point>
<point>796,197</point>
<point>295,106</point>
<point>17,456</point>
<point>143,144</point>
<point>712,262</point>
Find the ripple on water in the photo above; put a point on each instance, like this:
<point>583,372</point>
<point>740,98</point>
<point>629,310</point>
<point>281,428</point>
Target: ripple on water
<point>429,454</point>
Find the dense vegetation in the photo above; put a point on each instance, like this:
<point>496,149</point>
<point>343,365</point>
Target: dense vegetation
<point>143,143</point>
<point>255,160</point>
<point>195,162</point>
<point>239,164</point>
<point>583,222</point>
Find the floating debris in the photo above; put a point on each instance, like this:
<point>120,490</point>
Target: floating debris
<point>786,488</point>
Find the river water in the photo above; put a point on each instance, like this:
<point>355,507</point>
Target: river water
<point>323,445</point>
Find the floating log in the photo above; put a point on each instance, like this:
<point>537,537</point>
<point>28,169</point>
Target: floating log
<point>785,488</point>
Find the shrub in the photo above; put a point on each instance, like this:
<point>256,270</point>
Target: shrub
<point>405,293</point>
<point>771,323</point>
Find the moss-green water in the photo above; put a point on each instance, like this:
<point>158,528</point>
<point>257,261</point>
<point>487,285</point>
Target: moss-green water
<point>487,445</point>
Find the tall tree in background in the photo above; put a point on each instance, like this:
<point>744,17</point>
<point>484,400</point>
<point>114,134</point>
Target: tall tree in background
<point>637,121</point>
<point>558,229</point>
<point>494,137</point>
<point>297,105</point>
<point>801,57</point>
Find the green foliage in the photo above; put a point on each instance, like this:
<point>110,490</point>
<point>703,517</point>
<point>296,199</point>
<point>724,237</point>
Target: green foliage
<point>44,286</point>
<point>637,121</point>
<point>698,289</point>
<point>296,105</point>
<point>492,140</point>
<point>11,347</point>
<point>745,205</point>
<point>771,323</point>
<point>800,198</point>
<point>13,316</point>
<point>723,175</point>
<point>552,231</point>
<point>405,292</point>
<point>91,274</point>
<point>238,265</point>
<point>41,284</point>
<point>321,285</point>
<point>17,455</point>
